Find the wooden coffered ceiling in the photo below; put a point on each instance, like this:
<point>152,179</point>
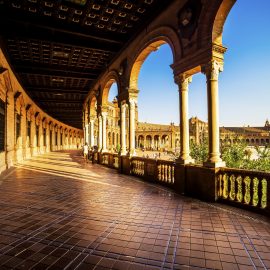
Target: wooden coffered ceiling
<point>58,48</point>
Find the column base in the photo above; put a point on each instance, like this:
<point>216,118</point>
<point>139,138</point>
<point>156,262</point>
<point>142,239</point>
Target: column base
<point>132,153</point>
<point>217,164</point>
<point>123,153</point>
<point>185,161</point>
<point>104,151</point>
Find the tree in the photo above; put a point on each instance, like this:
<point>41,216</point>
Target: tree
<point>199,151</point>
<point>236,155</point>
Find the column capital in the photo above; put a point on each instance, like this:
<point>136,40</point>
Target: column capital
<point>124,105</point>
<point>132,101</point>
<point>133,91</point>
<point>183,80</point>
<point>103,108</point>
<point>212,69</point>
<point>104,113</point>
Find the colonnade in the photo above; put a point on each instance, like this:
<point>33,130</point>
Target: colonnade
<point>26,130</point>
<point>128,119</point>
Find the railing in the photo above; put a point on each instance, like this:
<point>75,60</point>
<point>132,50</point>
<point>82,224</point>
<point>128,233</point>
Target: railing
<point>154,170</point>
<point>110,159</point>
<point>137,166</point>
<point>115,161</point>
<point>166,171</point>
<point>105,159</point>
<point>247,188</point>
<point>242,188</point>
<point>95,157</point>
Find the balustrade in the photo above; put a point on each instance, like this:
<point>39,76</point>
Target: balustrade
<point>166,171</point>
<point>105,159</point>
<point>248,188</point>
<point>137,167</point>
<point>115,161</point>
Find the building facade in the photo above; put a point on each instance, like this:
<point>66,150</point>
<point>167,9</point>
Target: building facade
<point>161,137</point>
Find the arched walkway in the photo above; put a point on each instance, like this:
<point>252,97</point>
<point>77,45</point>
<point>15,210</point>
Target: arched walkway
<point>59,213</point>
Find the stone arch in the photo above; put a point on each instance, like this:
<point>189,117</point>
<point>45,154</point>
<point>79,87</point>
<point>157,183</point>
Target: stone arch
<point>113,139</point>
<point>211,22</point>
<point>19,102</point>
<point>220,18</point>
<point>111,78</point>
<point>140,141</point>
<point>92,105</point>
<point>149,141</point>
<point>152,41</point>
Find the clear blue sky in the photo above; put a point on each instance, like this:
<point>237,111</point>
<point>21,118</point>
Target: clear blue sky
<point>244,84</point>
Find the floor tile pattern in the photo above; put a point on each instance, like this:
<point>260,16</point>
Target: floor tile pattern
<point>59,213</point>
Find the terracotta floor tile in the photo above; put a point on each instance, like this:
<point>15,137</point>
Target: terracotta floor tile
<point>59,213</point>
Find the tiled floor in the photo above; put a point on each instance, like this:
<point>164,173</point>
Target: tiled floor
<point>58,213</point>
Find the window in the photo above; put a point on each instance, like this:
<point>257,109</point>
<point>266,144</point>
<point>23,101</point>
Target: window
<point>2,125</point>
<point>44,137</point>
<point>37,134</point>
<point>18,126</point>
<point>28,132</point>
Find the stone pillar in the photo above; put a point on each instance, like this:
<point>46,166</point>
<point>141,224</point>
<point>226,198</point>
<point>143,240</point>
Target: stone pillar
<point>46,147</point>
<point>33,140</point>
<point>40,137</point>
<point>132,128</point>
<point>123,129</point>
<point>104,131</point>
<point>10,134</point>
<point>86,136</point>
<point>23,133</point>
<point>212,71</point>
<point>92,142</point>
<point>53,139</point>
<point>58,139</point>
<point>183,82</point>
<point>99,133</point>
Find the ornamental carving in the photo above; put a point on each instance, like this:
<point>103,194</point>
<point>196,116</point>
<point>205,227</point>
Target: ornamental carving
<point>213,69</point>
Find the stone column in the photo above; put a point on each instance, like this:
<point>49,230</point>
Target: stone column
<point>53,142</point>
<point>104,131</point>
<point>47,147</point>
<point>99,133</point>
<point>183,82</point>
<point>23,133</point>
<point>132,122</point>
<point>33,140</point>
<point>92,142</point>
<point>123,129</point>
<point>212,71</point>
<point>86,136</point>
<point>41,137</point>
<point>58,139</point>
<point>10,125</point>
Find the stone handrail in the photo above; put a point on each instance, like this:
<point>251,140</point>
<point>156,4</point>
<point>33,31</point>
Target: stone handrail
<point>250,189</point>
<point>110,159</point>
<point>155,170</point>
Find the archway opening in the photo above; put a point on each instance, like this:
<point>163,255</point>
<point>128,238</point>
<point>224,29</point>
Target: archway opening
<point>113,116</point>
<point>158,101</point>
